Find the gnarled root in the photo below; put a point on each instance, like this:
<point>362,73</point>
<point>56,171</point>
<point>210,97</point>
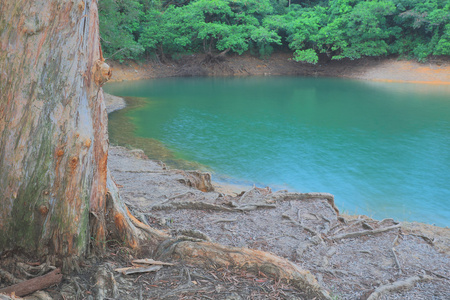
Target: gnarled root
<point>398,285</point>
<point>209,254</point>
<point>123,225</point>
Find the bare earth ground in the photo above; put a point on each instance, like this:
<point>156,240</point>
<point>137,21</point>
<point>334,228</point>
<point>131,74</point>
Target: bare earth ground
<point>305,229</point>
<point>353,257</point>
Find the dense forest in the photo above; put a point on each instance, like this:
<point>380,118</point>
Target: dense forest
<point>310,29</point>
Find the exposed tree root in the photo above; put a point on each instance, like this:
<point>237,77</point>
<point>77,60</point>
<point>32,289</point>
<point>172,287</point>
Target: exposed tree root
<point>105,284</point>
<point>396,260</point>
<point>203,205</point>
<point>194,249</point>
<point>198,180</point>
<point>398,285</point>
<point>302,196</point>
<point>191,205</point>
<point>210,254</point>
<point>362,233</point>
<point>124,225</point>
<point>34,271</point>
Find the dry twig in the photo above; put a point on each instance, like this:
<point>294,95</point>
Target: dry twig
<point>398,285</point>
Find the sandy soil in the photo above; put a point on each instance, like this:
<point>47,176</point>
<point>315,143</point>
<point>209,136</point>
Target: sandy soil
<point>436,71</point>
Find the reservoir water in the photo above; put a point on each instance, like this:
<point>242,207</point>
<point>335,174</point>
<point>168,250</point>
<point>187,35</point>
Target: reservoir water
<point>383,149</point>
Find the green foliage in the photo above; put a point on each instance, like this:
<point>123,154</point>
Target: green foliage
<point>338,28</point>
<point>308,55</point>
<point>119,26</point>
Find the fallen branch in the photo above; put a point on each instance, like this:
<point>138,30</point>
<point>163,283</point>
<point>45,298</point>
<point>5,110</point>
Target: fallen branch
<point>224,220</point>
<point>363,233</point>
<point>398,285</point>
<point>133,270</point>
<point>425,238</point>
<point>149,261</point>
<point>29,286</point>
<point>396,260</point>
<point>253,206</point>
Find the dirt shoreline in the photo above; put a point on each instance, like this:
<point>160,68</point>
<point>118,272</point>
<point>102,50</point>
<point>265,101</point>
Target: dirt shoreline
<point>352,257</point>
<point>436,71</point>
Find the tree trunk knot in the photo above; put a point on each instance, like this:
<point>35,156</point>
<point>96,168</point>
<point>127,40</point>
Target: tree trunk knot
<point>102,72</point>
<point>43,209</point>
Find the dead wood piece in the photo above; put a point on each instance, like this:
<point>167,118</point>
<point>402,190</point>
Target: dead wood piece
<point>387,220</point>
<point>224,220</point>
<point>207,254</point>
<point>254,206</point>
<point>133,270</point>
<point>396,260</point>
<point>425,238</point>
<point>365,225</point>
<point>191,205</point>
<point>29,286</point>
<point>363,233</point>
<point>149,261</point>
<point>398,285</point>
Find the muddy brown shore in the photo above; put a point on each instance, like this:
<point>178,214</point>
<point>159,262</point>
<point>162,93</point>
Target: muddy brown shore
<point>352,257</point>
<point>434,71</point>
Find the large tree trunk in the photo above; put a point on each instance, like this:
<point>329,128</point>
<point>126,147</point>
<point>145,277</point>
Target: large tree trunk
<point>53,127</point>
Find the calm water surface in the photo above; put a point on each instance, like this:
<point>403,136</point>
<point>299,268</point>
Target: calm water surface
<point>383,149</point>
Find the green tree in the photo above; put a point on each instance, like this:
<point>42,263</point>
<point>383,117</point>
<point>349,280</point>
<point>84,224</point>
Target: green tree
<point>119,22</point>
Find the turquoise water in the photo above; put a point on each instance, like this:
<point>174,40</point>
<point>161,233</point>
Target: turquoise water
<point>383,149</point>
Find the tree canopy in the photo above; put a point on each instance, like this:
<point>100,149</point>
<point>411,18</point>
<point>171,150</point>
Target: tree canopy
<point>135,29</point>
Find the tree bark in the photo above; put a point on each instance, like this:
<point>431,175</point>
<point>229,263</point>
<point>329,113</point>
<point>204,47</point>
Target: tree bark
<point>53,128</point>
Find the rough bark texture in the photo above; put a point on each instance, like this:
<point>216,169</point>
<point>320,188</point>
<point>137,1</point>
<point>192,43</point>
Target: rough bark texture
<point>53,127</point>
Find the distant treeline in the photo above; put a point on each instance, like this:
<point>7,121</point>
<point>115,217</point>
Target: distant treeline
<point>332,29</point>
